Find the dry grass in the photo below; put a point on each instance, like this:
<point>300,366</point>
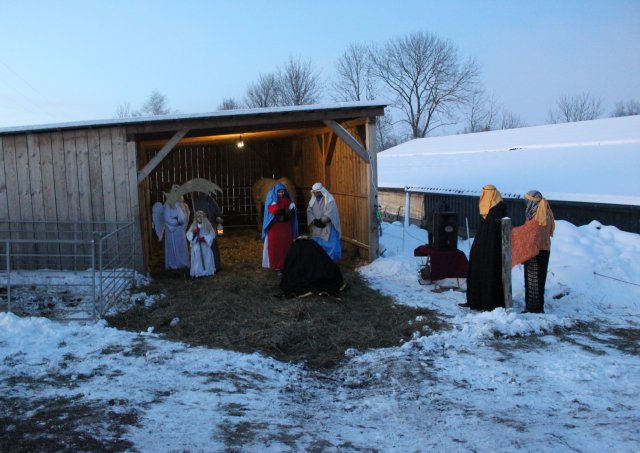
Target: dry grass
<point>237,309</point>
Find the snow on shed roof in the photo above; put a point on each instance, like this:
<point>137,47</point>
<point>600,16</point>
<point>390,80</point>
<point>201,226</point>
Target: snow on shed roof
<point>193,116</point>
<point>596,161</point>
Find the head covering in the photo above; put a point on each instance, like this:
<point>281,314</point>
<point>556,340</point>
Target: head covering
<point>173,197</point>
<point>488,199</point>
<point>318,187</point>
<point>205,225</point>
<point>272,197</point>
<point>537,207</point>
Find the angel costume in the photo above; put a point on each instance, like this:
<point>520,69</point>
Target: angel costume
<point>324,221</point>
<point>201,236</point>
<point>173,219</point>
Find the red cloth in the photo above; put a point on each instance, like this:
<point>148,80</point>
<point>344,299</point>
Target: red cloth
<point>526,242</point>
<point>280,237</point>
<point>273,208</point>
<point>444,263</point>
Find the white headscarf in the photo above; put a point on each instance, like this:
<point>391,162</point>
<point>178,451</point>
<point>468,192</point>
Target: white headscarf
<point>318,187</point>
<point>205,226</point>
<point>331,208</point>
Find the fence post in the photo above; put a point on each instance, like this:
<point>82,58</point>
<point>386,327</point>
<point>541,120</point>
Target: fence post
<point>407,208</point>
<point>506,261</point>
<point>133,251</point>
<point>75,246</point>
<point>93,276</point>
<point>8,246</point>
<point>100,276</point>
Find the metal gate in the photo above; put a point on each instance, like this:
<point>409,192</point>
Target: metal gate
<point>65,270</point>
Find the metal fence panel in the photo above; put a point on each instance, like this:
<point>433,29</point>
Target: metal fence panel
<point>65,270</point>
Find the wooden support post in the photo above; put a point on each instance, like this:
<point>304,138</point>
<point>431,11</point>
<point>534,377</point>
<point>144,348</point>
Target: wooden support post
<point>506,261</point>
<point>374,230</point>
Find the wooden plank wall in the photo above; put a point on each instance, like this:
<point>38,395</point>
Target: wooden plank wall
<point>73,176</point>
<point>348,183</point>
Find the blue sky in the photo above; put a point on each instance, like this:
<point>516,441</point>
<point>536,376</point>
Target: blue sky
<point>78,60</point>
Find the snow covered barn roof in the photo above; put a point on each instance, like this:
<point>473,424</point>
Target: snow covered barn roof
<point>591,161</point>
<point>239,115</point>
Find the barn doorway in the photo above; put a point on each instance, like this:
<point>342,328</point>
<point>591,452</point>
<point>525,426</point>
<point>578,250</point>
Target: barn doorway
<point>219,160</point>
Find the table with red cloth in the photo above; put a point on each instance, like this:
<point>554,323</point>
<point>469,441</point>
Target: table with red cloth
<point>444,263</point>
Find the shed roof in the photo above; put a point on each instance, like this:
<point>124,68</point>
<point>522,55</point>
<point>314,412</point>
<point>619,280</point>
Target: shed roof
<point>222,118</point>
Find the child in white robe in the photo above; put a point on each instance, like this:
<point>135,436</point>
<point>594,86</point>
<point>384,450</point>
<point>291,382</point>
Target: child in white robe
<point>200,236</point>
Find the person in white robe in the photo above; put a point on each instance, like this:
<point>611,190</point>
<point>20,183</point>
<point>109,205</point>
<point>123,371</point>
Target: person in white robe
<point>201,235</point>
<point>323,220</point>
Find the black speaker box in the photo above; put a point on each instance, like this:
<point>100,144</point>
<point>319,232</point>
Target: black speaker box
<point>445,230</point>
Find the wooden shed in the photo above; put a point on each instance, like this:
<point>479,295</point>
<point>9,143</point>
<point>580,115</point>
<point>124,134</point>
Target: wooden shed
<point>114,170</point>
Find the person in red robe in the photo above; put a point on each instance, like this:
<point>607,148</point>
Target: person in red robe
<point>279,227</point>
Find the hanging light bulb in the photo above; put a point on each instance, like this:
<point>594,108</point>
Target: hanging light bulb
<point>240,143</point>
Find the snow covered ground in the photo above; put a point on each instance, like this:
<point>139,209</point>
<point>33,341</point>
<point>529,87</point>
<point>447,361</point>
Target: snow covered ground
<point>567,380</point>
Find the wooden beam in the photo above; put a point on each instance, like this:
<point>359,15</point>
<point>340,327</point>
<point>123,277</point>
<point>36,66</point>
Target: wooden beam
<point>331,147</point>
<point>297,153</point>
<point>374,226</point>
<point>323,129</point>
<point>280,120</point>
<point>506,226</point>
<point>348,139</point>
<point>166,149</point>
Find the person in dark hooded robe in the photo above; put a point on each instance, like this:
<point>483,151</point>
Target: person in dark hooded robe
<point>308,270</point>
<point>484,281</point>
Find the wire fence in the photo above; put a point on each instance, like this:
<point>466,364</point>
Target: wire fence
<point>65,270</point>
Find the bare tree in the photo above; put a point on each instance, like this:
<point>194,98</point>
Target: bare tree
<point>511,120</point>
<point>298,83</point>
<point>385,134</point>
<point>355,81</point>
<point>155,105</point>
<point>580,107</point>
<point>628,108</point>
<point>428,78</point>
<point>124,110</point>
<point>264,93</point>
<point>482,113</point>
<point>229,104</point>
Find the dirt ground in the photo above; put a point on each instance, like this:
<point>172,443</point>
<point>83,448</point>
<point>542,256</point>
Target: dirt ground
<point>237,309</point>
